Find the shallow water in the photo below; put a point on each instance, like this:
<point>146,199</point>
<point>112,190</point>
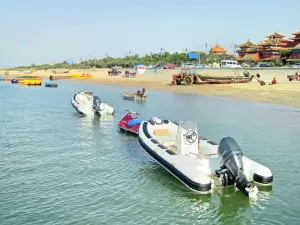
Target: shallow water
<point>59,168</point>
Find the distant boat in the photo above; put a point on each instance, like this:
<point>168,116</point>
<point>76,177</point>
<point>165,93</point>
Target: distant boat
<point>86,104</point>
<point>52,85</point>
<point>135,96</point>
<point>14,81</point>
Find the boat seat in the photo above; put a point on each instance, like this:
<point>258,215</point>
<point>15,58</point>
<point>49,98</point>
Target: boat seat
<point>161,132</point>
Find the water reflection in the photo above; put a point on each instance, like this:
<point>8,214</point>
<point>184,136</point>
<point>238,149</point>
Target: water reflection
<point>227,204</point>
<point>89,124</point>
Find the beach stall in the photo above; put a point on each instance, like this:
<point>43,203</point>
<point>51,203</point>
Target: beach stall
<point>139,68</point>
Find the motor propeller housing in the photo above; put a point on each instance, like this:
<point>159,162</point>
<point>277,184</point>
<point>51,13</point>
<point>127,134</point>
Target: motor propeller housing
<point>231,164</point>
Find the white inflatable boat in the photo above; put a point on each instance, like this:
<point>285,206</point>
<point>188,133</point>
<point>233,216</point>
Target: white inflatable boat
<point>197,162</point>
<point>86,104</point>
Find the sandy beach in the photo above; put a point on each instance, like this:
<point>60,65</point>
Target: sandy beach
<point>284,92</point>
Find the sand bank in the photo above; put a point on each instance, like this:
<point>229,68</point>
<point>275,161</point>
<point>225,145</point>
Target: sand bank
<point>285,92</point>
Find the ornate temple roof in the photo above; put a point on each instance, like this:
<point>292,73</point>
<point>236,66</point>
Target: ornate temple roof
<point>286,39</point>
<point>249,57</point>
<point>218,49</point>
<point>251,49</point>
<point>247,44</point>
<point>297,47</point>
<point>296,33</point>
<point>276,35</point>
<point>269,42</point>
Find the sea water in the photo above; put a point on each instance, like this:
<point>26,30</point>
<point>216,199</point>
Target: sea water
<point>60,168</point>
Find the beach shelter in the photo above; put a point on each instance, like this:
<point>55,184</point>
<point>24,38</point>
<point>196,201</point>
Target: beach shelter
<point>139,68</point>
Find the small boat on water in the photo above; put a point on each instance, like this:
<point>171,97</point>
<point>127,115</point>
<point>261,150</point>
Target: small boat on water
<point>130,123</point>
<point>14,81</point>
<point>31,82</point>
<point>199,163</point>
<point>86,104</point>
<point>51,85</point>
<point>135,96</point>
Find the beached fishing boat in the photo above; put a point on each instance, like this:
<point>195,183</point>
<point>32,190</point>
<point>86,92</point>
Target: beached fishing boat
<point>199,163</point>
<point>210,78</point>
<point>135,96</point>
<point>212,81</point>
<point>86,104</point>
<point>81,75</point>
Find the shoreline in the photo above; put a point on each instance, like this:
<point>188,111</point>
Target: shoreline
<point>283,93</point>
<point>220,90</point>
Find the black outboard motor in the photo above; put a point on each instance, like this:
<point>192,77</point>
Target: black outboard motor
<point>96,104</point>
<point>231,166</point>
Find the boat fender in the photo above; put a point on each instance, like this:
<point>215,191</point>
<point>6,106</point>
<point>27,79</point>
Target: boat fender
<point>145,130</point>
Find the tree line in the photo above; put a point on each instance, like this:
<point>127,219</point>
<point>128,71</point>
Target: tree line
<point>130,61</point>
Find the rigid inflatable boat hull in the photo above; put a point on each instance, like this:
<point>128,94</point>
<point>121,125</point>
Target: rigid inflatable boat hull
<point>193,186</point>
<point>197,171</point>
<point>161,154</point>
<point>88,108</point>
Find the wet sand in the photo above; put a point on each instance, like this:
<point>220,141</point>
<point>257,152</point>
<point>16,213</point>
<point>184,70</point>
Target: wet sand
<point>284,92</point>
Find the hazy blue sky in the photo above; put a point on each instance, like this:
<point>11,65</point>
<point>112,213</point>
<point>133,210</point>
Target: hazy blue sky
<point>44,31</point>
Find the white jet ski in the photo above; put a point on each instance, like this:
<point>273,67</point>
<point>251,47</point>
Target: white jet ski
<point>199,163</point>
<point>86,104</point>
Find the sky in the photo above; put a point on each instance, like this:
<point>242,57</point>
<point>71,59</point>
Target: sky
<point>48,31</point>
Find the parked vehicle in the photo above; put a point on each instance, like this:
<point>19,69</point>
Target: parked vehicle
<point>230,64</point>
<point>114,72</point>
<point>296,65</point>
<point>189,65</point>
<point>201,66</point>
<point>263,65</point>
<point>295,77</point>
<point>169,66</point>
